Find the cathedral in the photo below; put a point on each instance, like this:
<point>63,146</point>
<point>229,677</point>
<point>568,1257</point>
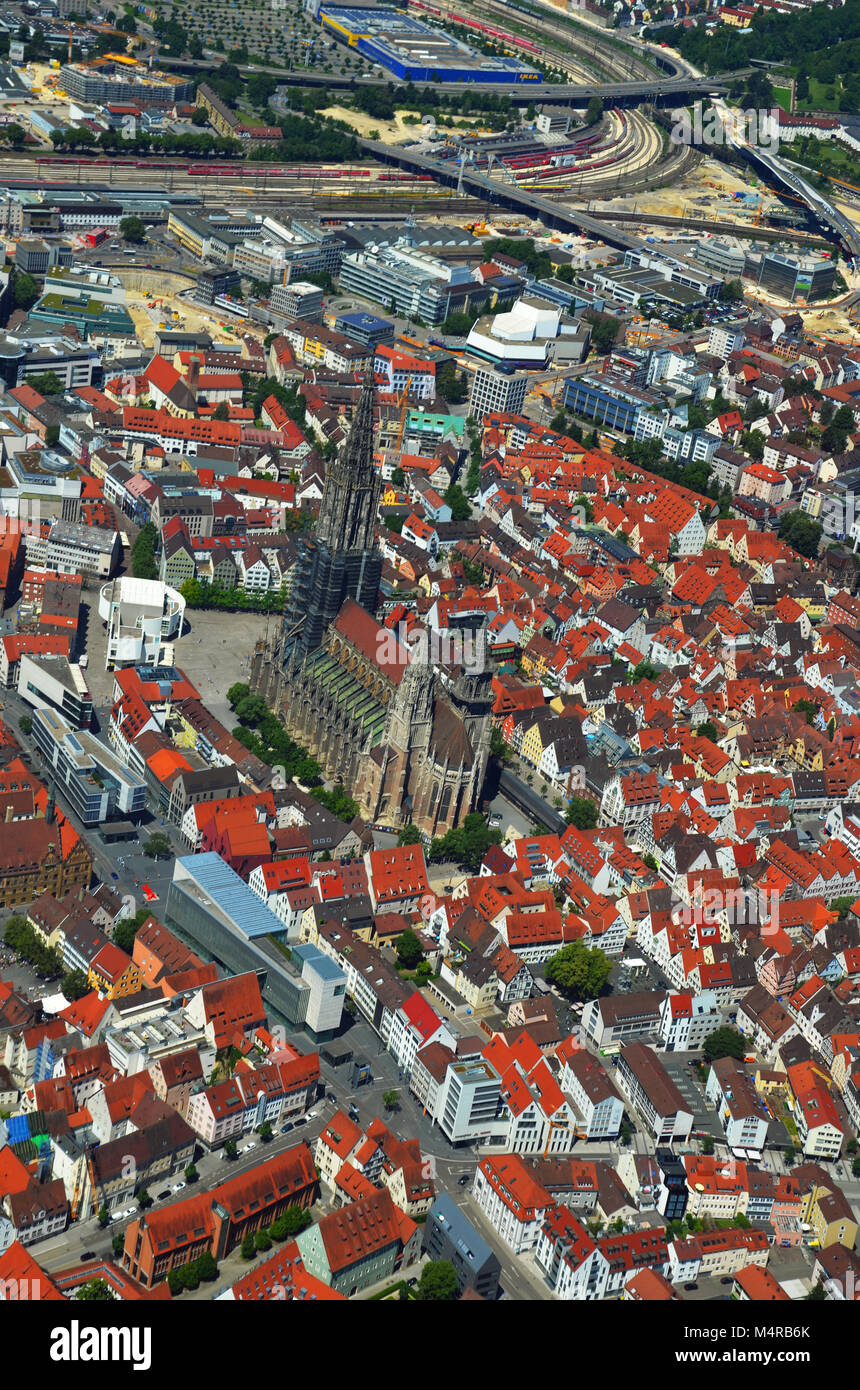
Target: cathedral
<point>375,717</point>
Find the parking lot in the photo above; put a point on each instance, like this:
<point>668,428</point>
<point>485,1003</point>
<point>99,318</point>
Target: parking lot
<point>684,1076</point>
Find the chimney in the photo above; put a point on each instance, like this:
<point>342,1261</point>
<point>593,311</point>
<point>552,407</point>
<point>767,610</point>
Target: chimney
<point>193,375</point>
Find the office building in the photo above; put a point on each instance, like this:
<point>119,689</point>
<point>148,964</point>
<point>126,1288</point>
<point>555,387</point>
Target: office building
<point>50,681</point>
<point>297,300</point>
<point>116,79</point>
<point>407,280</point>
<point>793,277</point>
<point>496,391</point>
<point>449,1235</point>
<point>94,781</point>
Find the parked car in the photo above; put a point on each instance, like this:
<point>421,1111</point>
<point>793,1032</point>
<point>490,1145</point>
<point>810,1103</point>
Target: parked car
<point>162,1195</point>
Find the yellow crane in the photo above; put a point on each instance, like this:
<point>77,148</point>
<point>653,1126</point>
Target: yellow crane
<point>403,402</point>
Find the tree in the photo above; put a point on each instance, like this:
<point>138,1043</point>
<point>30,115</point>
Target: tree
<point>46,383</point>
<point>594,111</point>
<point>118,1242</point>
<point>96,1291</point>
<point>391,1100</point>
<point>581,813</point>
<point>644,670</point>
<point>579,972</point>
<point>143,1199</point>
<point>158,846</point>
<point>409,835</point>
<point>626,1132</point>
<point>207,1267</point>
<point>800,532</point>
<point>25,724</point>
<point>26,291</point>
<point>708,1145</point>
<point>724,1042</point>
<point>855,1167</point>
<point>222,411</point>
<point>817,1294</point>
<point>15,134</point>
<point>806,707</point>
<point>191,1173</point>
<point>103,1217</point>
<point>409,949</point>
<point>708,730</point>
<point>438,1282</point>
<point>294,1220</point>
<point>461,507</point>
<point>231,1148</point>
<point>262,1240</point>
<point>248,1247</point>
<point>265,1131</point>
<point>132,228</point>
<point>75,985</point>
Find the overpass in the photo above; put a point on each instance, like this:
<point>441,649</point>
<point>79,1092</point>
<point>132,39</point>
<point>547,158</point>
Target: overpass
<point>525,201</point>
<point>656,90</point>
<point>832,222</point>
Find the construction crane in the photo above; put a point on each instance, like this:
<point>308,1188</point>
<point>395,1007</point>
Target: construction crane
<point>403,402</point>
<point>562,1124</point>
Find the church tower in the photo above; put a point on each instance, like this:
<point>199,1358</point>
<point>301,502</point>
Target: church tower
<point>341,560</point>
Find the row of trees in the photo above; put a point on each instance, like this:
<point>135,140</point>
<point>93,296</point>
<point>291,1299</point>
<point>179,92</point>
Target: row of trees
<point>263,734</point>
<point>143,562</point>
<point>21,938</point>
<point>294,1220</point>
<point>198,594</point>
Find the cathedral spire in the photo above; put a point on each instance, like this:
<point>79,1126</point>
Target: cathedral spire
<point>352,487</point>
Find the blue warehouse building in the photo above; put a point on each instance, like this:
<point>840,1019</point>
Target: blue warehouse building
<point>415,51</point>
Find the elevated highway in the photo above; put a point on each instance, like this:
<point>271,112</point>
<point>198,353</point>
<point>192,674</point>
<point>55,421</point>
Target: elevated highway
<point>659,91</point>
<point>526,201</point>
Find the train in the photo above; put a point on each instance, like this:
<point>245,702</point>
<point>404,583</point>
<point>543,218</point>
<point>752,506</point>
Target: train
<point>235,170</point>
<point>490,30</point>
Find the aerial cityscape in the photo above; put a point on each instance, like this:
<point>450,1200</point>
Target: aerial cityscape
<point>429,656</point>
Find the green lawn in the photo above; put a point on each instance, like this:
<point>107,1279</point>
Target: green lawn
<point>818,99</point>
<point>782,97</point>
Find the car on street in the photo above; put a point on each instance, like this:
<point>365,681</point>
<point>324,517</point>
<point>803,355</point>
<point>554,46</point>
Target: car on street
<point>178,1186</point>
<point>285,1129</point>
<point>114,875</point>
<point>467,1177</point>
<point>162,1195</point>
<point>89,1255</point>
<point>691,1286</point>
